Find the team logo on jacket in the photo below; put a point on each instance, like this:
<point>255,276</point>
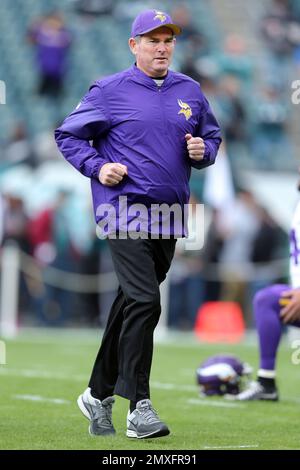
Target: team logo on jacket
<point>160,16</point>
<point>185,109</point>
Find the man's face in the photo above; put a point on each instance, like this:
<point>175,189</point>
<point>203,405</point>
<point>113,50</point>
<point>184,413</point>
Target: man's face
<point>153,51</point>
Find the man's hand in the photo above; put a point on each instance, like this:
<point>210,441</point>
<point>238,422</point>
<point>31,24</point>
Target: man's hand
<point>195,146</point>
<point>112,173</point>
<point>291,312</point>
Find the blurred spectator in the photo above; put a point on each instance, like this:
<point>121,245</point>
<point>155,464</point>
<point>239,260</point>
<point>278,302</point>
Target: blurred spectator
<point>189,67</point>
<point>1,218</point>
<point>295,9</point>
<point>45,147</point>
<point>52,41</point>
<point>274,27</point>
<point>233,117</point>
<point>267,244</point>
<point>218,188</point>
<point>52,226</point>
<point>40,231</point>
<point>219,194</point>
<point>195,42</point>
<point>15,231</point>
<point>186,288</point>
<point>106,298</point>
<point>211,256</point>
<point>18,149</point>
<point>203,70</point>
<point>281,31</point>
<point>235,61</point>
<point>240,227</point>
<point>267,239</point>
<point>52,246</point>
<point>92,8</point>
<point>270,140</point>
<point>89,264</point>
<point>15,222</point>
<point>210,86</point>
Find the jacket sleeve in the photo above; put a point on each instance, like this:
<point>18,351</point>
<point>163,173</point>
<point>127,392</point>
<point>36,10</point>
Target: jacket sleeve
<point>209,130</point>
<point>87,122</point>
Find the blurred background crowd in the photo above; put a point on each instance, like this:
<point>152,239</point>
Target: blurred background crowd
<point>245,56</point>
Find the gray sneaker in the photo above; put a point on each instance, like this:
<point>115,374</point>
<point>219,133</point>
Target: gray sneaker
<point>144,422</point>
<point>256,391</point>
<point>98,412</point>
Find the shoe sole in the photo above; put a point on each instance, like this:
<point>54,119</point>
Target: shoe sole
<point>82,408</point>
<point>85,412</point>
<point>273,397</point>
<point>160,433</point>
<point>261,398</point>
<point>269,399</point>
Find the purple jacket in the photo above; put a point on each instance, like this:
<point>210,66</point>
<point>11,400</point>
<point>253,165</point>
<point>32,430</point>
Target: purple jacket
<point>131,120</point>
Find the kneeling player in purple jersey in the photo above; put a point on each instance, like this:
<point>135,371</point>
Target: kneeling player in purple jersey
<point>274,307</point>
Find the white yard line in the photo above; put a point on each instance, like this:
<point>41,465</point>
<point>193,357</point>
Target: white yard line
<point>39,374</point>
<point>34,373</point>
<point>216,403</point>
<point>39,398</point>
<point>174,387</point>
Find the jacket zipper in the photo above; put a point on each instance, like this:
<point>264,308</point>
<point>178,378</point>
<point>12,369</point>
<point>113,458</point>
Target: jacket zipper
<point>163,111</point>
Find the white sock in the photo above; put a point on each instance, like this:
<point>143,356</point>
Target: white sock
<point>90,398</point>
<point>266,374</point>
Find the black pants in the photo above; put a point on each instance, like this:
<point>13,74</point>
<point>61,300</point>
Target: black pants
<point>123,363</point>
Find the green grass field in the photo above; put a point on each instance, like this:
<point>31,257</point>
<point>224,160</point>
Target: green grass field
<point>45,372</point>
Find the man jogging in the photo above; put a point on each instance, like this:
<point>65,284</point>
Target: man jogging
<point>148,126</point>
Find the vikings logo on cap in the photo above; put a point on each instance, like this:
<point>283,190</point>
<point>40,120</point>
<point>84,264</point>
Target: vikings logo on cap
<point>160,15</point>
<point>149,20</point>
<point>185,109</point>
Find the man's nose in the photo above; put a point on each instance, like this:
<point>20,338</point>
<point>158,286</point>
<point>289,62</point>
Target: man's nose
<point>161,47</point>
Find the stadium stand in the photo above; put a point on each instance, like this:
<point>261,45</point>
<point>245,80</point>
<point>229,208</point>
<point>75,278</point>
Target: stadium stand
<point>229,57</point>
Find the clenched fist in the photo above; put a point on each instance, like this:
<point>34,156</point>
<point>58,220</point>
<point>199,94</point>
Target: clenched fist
<point>195,147</point>
<point>112,173</point>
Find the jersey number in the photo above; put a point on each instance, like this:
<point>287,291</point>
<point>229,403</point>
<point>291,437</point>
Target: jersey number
<point>295,252</point>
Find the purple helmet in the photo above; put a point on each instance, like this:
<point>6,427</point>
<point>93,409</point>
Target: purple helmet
<point>220,375</point>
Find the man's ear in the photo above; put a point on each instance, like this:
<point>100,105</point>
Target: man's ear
<point>132,45</point>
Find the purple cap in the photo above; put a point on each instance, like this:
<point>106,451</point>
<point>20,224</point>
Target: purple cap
<point>149,20</point>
